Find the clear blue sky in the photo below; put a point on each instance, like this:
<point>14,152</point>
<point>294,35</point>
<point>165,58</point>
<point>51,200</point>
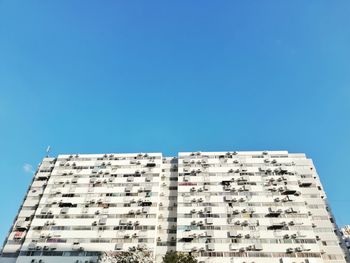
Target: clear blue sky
<point>169,76</point>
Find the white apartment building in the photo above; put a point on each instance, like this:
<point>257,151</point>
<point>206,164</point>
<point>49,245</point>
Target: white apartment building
<point>239,207</point>
<point>345,232</point>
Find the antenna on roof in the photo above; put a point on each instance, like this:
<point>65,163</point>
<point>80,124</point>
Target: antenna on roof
<point>48,149</point>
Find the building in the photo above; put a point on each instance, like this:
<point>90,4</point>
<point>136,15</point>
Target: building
<point>254,207</point>
<point>239,207</point>
<point>345,232</point>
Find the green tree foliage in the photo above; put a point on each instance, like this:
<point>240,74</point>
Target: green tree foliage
<point>177,257</point>
<point>134,255</point>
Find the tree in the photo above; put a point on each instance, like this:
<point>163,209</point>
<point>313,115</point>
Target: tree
<point>134,255</point>
<point>179,257</point>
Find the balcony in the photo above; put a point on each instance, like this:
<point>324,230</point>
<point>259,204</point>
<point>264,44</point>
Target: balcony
<point>188,237</point>
<point>288,191</point>
<point>118,247</point>
<point>257,247</point>
<point>102,221</point>
<point>31,246</point>
<point>148,178</point>
<point>228,198</point>
<point>209,233</point>
<point>21,226</point>
<point>210,247</point>
<point>235,212</point>
<point>66,204</point>
<point>123,221</point>
<point>145,210</point>
<point>226,182</point>
<point>234,234</point>
<point>209,221</point>
<point>208,210</point>
<point>146,203</point>
<point>274,213</point>
<point>304,183</point>
<point>290,211</point>
<point>275,225</point>
<point>64,210</point>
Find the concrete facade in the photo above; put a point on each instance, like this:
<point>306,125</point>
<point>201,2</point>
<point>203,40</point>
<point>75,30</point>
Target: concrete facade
<point>220,206</point>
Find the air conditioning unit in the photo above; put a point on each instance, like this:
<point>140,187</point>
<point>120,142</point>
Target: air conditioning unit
<point>210,247</point>
<point>298,249</point>
<point>290,250</point>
